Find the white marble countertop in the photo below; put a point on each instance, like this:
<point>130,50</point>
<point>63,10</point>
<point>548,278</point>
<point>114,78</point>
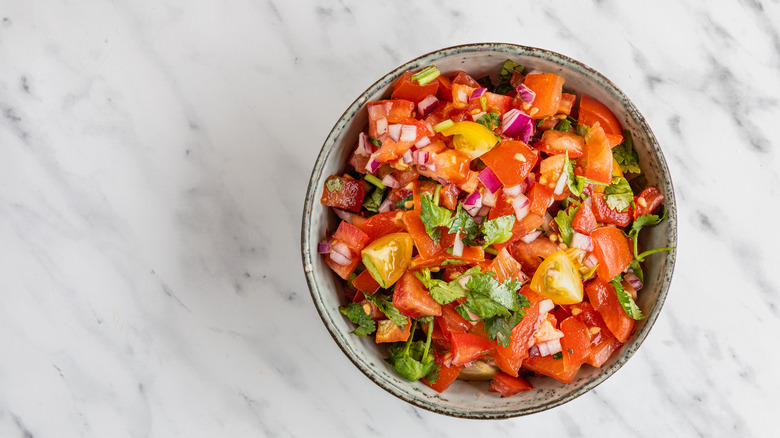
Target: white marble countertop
<point>155,159</point>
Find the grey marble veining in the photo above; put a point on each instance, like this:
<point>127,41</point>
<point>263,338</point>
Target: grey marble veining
<point>155,159</point>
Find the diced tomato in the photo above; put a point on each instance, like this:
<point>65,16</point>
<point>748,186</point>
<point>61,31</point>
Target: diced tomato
<point>548,88</point>
<point>452,165</point>
<point>648,201</point>
<point>530,255</point>
<point>606,215</point>
<point>467,347</point>
<point>591,111</point>
<point>567,103</point>
<point>365,283</point>
<point>599,155</point>
<point>499,101</point>
<point>541,197</point>
<point>349,196</point>
<point>510,358</point>
<point>557,142</point>
<point>576,338</point>
<point>508,385</point>
<point>351,235</point>
<point>358,162</point>
<point>604,299</point>
<point>506,267</point>
<point>452,272</point>
<point>406,88</point>
<point>449,196</point>
<point>471,255</point>
<point>511,160</point>
<point>412,298</point>
<point>395,111</point>
<point>382,224</point>
<point>445,88</point>
<point>551,367</point>
<point>390,149</point>
<point>463,78</point>
<point>387,331</point>
<point>521,228</point>
<point>584,221</point>
<point>415,227</point>
<point>461,94</point>
<point>602,342</point>
<point>612,250</point>
<point>447,374</point>
<point>451,321</point>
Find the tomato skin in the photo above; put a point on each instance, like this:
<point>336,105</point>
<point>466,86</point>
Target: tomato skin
<point>445,88</point>
<point>467,347</point>
<point>471,255</point>
<point>591,111</point>
<point>503,161</point>
<point>451,321</point>
<point>576,338</point>
<point>349,197</point>
<point>602,342</point>
<point>612,250</point>
<point>447,374</point>
<point>551,367</point>
<point>506,267</point>
<point>412,298</point>
<point>510,358</point>
<point>567,103</point>
<point>415,227</point>
<point>548,88</point>
<point>387,331</point>
<point>604,299</point>
<point>463,78</point>
<point>651,198</point>
<point>382,224</point>
<point>599,156</point>
<point>499,101</point>
<point>522,227</point>
<point>606,215</point>
<point>406,88</point>
<point>557,142</point>
<point>530,255</point>
<point>541,197</point>
<point>584,221</point>
<point>508,385</point>
<point>365,283</point>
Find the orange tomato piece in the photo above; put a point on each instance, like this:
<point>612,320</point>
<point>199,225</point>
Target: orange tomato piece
<point>592,111</point>
<point>548,88</point>
<point>612,250</point>
<point>511,160</point>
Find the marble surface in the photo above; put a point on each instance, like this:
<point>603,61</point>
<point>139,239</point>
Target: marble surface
<point>155,159</point>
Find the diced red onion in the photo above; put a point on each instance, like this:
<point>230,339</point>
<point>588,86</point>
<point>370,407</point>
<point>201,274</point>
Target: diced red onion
<point>421,143</point>
<point>427,105</point>
<point>473,203</point>
<point>381,126</point>
<point>530,237</point>
<point>550,347</point>
<point>372,164</point>
<point>515,122</point>
<point>340,254</point>
<point>462,96</point>
<point>387,205</point>
<point>362,148</point>
<point>476,94</point>
<point>560,184</point>
<point>633,280</point>
<point>546,224</point>
<point>375,112</point>
<point>462,282</point>
<point>489,179</point>
<point>344,215</point>
<point>407,157</point>
<point>476,116</point>
<point>489,198</point>
<point>590,261</point>
<point>457,247</point>
<point>515,190</point>
<point>526,94</point>
<point>408,132</point>
<point>390,181</point>
<point>522,206</point>
<point>323,247</point>
<point>421,157</point>
<point>394,131</point>
<point>530,181</point>
<point>528,132</point>
<point>546,305</point>
<point>431,167</point>
<point>581,241</point>
<point>483,211</point>
<point>533,351</point>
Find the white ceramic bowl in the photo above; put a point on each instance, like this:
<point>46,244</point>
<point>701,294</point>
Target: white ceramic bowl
<point>471,399</point>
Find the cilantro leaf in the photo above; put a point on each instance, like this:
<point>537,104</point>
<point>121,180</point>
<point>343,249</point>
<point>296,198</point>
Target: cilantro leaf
<point>568,167</point>
<point>625,155</point>
<point>564,224</point>
<point>498,230</point>
<point>375,142</point>
<point>385,305</point>
<point>414,360</point>
<point>441,291</point>
<point>637,270</point>
<point>582,130</point>
<point>373,201</point>
<point>490,121</point>
<point>646,220</point>
<point>565,124</point>
<point>464,222</point>
<point>433,217</point>
<point>401,205</point>
<point>500,328</point>
<point>504,293</point>
<point>357,315</point>
<point>619,195</point>
<point>625,299</point>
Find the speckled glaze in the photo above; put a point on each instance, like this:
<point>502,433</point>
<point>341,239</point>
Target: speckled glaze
<point>471,400</point>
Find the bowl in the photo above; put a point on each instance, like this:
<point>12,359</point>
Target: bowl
<point>471,399</point>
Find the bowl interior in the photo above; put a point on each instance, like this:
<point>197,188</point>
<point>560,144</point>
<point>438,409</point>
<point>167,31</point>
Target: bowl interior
<point>466,399</point>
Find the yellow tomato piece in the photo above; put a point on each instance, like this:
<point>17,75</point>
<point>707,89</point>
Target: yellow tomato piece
<point>388,257</point>
<point>471,137</point>
<point>557,279</point>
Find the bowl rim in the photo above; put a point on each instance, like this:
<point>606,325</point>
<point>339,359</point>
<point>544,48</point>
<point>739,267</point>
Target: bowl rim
<point>329,145</point>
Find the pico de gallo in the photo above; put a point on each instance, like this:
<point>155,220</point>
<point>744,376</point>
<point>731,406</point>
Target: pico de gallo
<point>489,230</point>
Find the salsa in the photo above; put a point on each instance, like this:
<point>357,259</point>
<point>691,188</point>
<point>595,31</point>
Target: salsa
<point>489,230</point>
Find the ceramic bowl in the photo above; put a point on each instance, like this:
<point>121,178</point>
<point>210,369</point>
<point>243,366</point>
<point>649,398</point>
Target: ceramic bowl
<point>471,399</point>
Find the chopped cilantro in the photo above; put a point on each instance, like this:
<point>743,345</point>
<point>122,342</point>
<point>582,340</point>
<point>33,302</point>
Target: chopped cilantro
<point>646,220</point>
<point>357,315</point>
<point>433,217</point>
<point>582,130</point>
<point>558,355</point>
<point>401,205</point>
<point>498,230</point>
<point>375,142</point>
<point>490,121</point>
<point>625,154</point>
<point>374,200</point>
<point>466,224</point>
<point>625,299</point>
<point>414,360</point>
<point>564,220</point>
<point>540,122</point>
<point>619,195</point>
<point>385,305</point>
